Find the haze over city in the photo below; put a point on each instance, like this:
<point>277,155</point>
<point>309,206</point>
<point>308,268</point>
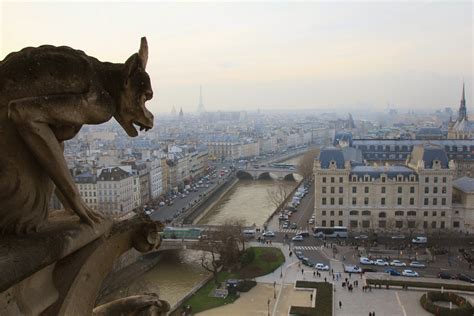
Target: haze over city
<point>250,56</point>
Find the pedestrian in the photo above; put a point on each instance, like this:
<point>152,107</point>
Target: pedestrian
<point>332,271</point>
<point>314,274</point>
<point>291,253</point>
<point>333,277</point>
<point>311,297</point>
<point>325,279</point>
<point>340,304</point>
<point>302,271</point>
<point>350,275</point>
<point>373,313</point>
<point>299,264</point>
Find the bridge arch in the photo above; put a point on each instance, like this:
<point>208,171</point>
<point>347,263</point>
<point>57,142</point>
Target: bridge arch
<point>244,175</point>
<point>289,177</point>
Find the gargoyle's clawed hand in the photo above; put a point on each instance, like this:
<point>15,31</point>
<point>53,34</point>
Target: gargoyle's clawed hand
<point>87,215</point>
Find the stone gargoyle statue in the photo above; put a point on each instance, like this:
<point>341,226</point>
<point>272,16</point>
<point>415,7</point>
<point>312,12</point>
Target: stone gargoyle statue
<point>46,94</point>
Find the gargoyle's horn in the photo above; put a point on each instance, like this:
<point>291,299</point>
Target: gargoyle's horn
<point>143,52</point>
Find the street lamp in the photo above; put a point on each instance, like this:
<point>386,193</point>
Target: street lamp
<point>268,307</point>
<point>274,290</point>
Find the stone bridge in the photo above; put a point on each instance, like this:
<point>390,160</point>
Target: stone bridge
<point>267,173</point>
<point>176,244</point>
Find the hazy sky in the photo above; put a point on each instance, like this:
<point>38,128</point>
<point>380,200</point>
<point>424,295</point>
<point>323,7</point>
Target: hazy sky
<point>315,55</point>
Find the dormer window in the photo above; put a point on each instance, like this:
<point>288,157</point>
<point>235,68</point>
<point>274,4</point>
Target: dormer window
<point>366,178</point>
<point>354,179</point>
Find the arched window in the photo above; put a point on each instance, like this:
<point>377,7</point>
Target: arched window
<point>366,213</point>
<point>354,213</point>
<point>382,214</point>
<point>399,213</point>
<point>411,213</point>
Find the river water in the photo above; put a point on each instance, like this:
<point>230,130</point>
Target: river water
<point>180,270</point>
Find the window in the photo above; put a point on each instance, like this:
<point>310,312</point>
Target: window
<point>411,213</point>
<point>354,213</point>
<point>365,213</point>
<point>434,213</point>
<point>433,224</point>
<point>366,189</point>
<point>332,213</point>
<point>323,201</point>
<point>382,201</point>
<point>332,190</point>
<point>435,180</point>
<point>340,223</point>
<point>354,201</point>
<point>398,224</point>
<point>444,179</point>
<point>435,190</point>
<point>323,223</point>
<point>382,214</point>
<point>353,224</point>
<point>324,179</point>
<point>366,201</point>
<point>443,213</point>
<point>332,179</point>
<point>425,213</point>
<point>411,224</point>
<point>399,201</point>
<point>412,190</point>
<point>354,189</point>
<point>382,224</point>
<point>435,201</point>
<point>341,190</point>
<point>398,213</point>
<point>341,201</point>
<point>425,202</point>
<point>382,190</point>
<point>425,225</point>
<point>323,213</point>
<point>341,180</point>
<point>412,201</point>
<point>443,190</point>
<point>427,179</point>
<point>383,179</point>
<point>332,201</point>
<point>427,190</point>
<point>400,189</point>
<point>340,213</point>
<point>365,224</point>
<point>456,224</point>
<point>443,201</point>
<point>323,189</point>
<point>332,223</point>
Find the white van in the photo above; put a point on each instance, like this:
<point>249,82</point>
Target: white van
<point>249,232</point>
<point>419,240</point>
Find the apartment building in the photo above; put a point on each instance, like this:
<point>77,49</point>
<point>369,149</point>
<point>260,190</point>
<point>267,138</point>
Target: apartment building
<point>115,191</point>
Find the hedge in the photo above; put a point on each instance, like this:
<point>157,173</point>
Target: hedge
<point>427,285</point>
<point>246,285</point>
<point>324,301</point>
<point>464,308</point>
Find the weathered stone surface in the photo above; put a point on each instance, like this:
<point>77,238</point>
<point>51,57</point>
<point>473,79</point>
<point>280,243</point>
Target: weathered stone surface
<point>46,94</point>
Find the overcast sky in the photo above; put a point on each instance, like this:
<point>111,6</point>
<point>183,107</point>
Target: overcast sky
<point>305,55</point>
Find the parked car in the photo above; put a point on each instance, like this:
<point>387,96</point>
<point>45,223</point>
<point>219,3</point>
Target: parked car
<point>307,262</point>
<point>445,275</point>
<point>352,269</point>
<point>398,237</point>
<point>299,254</point>
<point>417,264</point>
<point>304,234</point>
<point>398,263</point>
<point>311,221</point>
<point>321,266</point>
<point>410,273</point>
<point>361,237</point>
<point>268,233</point>
<point>380,262</point>
<point>293,226</point>
<point>465,277</point>
<point>364,260</point>
<point>297,238</point>
<point>285,225</point>
<point>369,270</point>
<point>392,272</point>
<point>419,240</point>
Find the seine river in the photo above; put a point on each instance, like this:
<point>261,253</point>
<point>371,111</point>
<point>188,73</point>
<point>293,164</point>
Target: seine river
<point>179,271</point>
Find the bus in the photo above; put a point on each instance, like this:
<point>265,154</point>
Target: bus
<point>330,232</point>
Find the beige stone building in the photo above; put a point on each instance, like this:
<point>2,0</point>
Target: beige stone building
<point>416,196</point>
<point>463,204</point>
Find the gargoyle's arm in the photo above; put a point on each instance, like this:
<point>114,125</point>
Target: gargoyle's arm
<point>33,118</point>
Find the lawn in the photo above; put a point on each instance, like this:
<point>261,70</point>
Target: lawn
<point>324,292</point>
<point>265,261</point>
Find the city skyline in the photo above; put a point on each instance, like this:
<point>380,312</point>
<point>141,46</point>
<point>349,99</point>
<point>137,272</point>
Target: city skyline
<point>251,56</point>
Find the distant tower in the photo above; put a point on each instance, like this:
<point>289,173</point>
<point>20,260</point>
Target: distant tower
<point>201,105</point>
<point>173,111</point>
<point>462,108</point>
<point>181,114</point>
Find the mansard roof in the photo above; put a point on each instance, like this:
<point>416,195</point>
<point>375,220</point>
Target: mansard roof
<point>331,154</point>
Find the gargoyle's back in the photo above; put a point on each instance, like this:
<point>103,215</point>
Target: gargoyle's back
<point>45,70</point>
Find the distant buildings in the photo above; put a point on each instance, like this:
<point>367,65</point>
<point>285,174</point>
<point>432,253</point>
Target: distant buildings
<point>462,127</point>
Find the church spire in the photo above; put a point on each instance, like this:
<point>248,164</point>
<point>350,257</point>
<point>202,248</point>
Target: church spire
<point>462,108</point>
<point>201,105</point>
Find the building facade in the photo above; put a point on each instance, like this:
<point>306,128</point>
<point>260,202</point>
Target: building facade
<point>115,191</point>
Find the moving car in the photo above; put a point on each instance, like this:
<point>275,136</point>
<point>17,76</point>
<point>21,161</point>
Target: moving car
<point>392,272</point>
<point>285,225</point>
<point>417,264</point>
<point>398,237</point>
<point>352,269</point>
<point>398,263</point>
<point>465,278</point>
<point>364,260</point>
<point>299,254</point>
<point>304,234</point>
<point>293,226</point>
<point>419,240</point>
<point>410,273</point>
<point>380,262</point>
<point>297,238</point>
<point>307,262</point>
<point>268,233</point>
<point>321,266</point>
<point>445,275</point>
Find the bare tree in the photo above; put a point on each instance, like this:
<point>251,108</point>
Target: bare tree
<point>224,247</point>
<point>305,165</point>
<point>278,194</point>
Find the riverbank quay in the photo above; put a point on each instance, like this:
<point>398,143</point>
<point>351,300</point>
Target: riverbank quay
<point>265,260</point>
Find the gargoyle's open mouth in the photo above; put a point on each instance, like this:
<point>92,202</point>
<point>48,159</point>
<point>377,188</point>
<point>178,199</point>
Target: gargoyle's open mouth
<point>142,126</point>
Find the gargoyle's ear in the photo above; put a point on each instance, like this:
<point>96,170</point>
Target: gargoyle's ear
<point>143,52</point>
<point>131,66</point>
